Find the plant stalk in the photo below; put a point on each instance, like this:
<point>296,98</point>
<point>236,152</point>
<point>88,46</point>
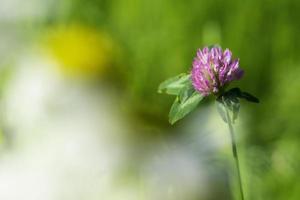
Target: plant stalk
<point>234,150</point>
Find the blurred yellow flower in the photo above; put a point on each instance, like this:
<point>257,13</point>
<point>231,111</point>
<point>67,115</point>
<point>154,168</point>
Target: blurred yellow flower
<point>81,51</point>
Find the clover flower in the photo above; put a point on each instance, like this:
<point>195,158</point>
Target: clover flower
<point>213,69</point>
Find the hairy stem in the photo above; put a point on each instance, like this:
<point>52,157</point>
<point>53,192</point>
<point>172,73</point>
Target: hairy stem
<point>234,150</point>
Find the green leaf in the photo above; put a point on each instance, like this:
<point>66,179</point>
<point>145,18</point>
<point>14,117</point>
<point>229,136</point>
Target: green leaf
<point>222,110</point>
<point>230,100</point>
<point>249,97</point>
<point>236,92</point>
<point>235,108</point>
<point>175,84</point>
<point>186,92</point>
<point>230,103</point>
<point>183,105</point>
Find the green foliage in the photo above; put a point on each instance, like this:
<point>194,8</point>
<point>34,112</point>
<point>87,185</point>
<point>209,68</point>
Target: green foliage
<point>181,108</point>
<point>230,100</point>
<point>187,98</point>
<point>175,85</point>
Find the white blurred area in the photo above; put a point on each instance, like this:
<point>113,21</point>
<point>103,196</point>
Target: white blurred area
<point>66,141</point>
<point>13,11</point>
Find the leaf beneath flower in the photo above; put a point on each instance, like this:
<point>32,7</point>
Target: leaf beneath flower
<point>237,93</point>
<point>230,100</point>
<point>249,97</point>
<point>232,104</point>
<point>183,105</point>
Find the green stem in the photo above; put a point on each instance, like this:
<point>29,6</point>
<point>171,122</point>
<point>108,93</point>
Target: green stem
<point>234,150</point>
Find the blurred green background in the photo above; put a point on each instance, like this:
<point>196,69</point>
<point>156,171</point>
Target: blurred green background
<point>123,49</point>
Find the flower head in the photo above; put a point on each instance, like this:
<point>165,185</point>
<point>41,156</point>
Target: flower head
<point>213,69</point>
